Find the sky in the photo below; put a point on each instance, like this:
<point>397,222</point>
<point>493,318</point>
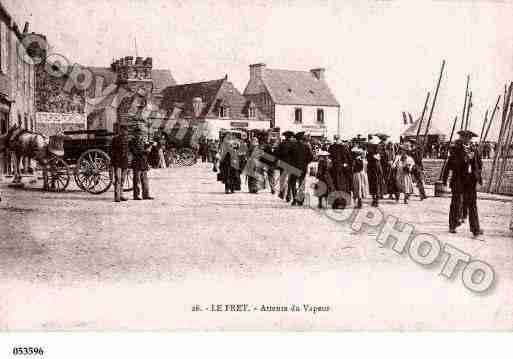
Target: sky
<point>381,57</point>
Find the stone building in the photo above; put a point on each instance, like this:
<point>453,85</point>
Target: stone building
<point>111,84</point>
<point>59,107</point>
<point>295,100</point>
<point>17,79</point>
<point>211,106</point>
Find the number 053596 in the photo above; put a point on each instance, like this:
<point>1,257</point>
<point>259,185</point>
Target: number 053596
<point>27,351</point>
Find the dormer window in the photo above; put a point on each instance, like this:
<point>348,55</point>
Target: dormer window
<point>252,110</point>
<point>224,111</point>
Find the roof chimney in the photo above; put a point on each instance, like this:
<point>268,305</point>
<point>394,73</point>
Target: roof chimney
<point>318,73</point>
<point>256,70</point>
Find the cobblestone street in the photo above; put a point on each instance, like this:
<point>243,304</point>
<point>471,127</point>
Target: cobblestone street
<point>75,261</point>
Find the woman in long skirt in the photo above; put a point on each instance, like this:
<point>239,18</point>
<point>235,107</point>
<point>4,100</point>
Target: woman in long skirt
<point>254,172</point>
<point>374,170</point>
<point>229,168</point>
<point>325,184</point>
<point>403,165</point>
<point>359,176</point>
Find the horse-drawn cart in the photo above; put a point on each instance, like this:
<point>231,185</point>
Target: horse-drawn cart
<point>86,158</point>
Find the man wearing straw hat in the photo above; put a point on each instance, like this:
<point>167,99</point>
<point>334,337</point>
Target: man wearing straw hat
<point>465,165</point>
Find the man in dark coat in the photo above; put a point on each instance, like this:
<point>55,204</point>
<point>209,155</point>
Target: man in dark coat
<point>386,163</point>
<point>300,156</point>
<point>465,164</point>
<point>140,150</point>
<point>374,170</point>
<point>283,154</point>
<point>418,169</point>
<point>119,161</point>
<point>390,173</point>
<point>342,168</point>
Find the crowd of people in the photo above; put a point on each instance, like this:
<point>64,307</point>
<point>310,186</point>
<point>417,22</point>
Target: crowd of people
<point>353,169</point>
<point>347,172</point>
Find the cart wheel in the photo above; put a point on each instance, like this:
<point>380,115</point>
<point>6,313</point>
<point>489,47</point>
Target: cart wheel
<point>128,185</point>
<point>93,172</point>
<point>59,177</point>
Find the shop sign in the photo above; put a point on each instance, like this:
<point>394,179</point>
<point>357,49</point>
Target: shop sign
<point>239,124</point>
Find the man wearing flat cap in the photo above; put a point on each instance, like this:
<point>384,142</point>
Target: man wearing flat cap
<point>465,164</point>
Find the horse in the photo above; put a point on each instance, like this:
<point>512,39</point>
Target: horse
<point>21,143</point>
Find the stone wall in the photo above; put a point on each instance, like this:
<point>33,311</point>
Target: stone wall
<point>432,169</point>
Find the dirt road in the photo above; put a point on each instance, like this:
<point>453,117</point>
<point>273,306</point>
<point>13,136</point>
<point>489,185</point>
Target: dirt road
<point>75,261</point>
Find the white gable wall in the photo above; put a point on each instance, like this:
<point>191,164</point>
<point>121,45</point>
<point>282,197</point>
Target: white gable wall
<point>285,120</point>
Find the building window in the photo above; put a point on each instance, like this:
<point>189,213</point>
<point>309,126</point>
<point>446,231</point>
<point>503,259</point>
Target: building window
<point>4,122</point>
<point>252,110</point>
<point>19,120</point>
<point>224,111</point>
<point>26,122</point>
<point>298,115</point>
<point>320,115</point>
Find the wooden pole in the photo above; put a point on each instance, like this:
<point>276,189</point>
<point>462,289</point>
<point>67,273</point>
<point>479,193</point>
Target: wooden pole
<point>507,134</point>
<point>499,139</point>
<point>422,117</point>
<point>498,147</point>
<point>448,147</point>
<point>506,150</point>
<point>491,119</point>
<point>464,104</point>
<point>405,119</point>
<point>432,108</point>
<point>469,107</point>
<point>483,127</point>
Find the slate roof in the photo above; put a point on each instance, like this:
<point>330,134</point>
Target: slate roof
<point>411,130</point>
<point>288,87</point>
<point>182,95</point>
<point>213,94</point>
